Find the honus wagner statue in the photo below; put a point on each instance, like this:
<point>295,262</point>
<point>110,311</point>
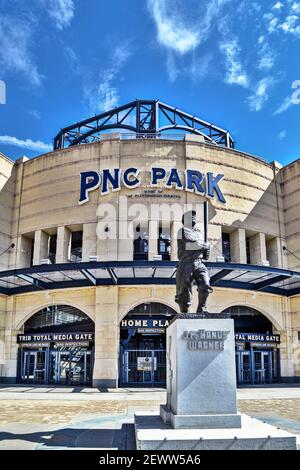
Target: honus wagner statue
<point>193,248</point>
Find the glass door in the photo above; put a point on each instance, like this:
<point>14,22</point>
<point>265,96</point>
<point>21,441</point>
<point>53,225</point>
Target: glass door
<point>262,366</point>
<point>243,366</point>
<point>71,366</point>
<point>33,367</point>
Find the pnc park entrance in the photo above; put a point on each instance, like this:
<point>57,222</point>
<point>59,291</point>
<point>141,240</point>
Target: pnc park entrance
<point>143,346</point>
<point>56,347</point>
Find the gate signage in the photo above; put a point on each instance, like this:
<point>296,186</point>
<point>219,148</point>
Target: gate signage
<point>257,337</point>
<point>146,363</point>
<point>145,323</point>
<point>61,337</point>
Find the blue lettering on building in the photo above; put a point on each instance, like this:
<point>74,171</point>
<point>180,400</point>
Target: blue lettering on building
<point>204,184</point>
<point>89,181</point>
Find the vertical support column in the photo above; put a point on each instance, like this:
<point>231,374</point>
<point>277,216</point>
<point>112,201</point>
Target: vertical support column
<point>215,237</point>
<point>10,344</point>
<point>153,239</point>
<point>3,300</point>
<point>258,252</point>
<point>238,246</point>
<point>63,244</point>
<point>125,242</point>
<point>274,252</point>
<point>106,370</point>
<point>174,229</point>
<point>24,251</point>
<point>40,249</point>
<point>107,241</point>
<point>89,241</point>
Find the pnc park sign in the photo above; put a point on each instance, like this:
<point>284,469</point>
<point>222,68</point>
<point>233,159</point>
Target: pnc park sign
<point>194,181</point>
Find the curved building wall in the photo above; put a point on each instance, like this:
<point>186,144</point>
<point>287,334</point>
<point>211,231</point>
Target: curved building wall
<point>7,188</point>
<point>47,192</point>
<point>290,179</point>
<point>39,200</point>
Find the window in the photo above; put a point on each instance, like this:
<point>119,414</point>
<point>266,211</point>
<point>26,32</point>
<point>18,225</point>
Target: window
<point>52,248</point>
<point>163,243</point>
<point>76,247</point>
<point>53,316</point>
<point>226,246</point>
<point>140,244</point>
<point>248,250</point>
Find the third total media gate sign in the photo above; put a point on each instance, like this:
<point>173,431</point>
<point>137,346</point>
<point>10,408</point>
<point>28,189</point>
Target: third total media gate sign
<point>257,337</point>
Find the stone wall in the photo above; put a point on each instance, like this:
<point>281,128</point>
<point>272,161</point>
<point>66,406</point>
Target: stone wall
<point>7,182</point>
<point>290,182</point>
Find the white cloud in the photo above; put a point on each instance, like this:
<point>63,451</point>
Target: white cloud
<point>284,18</point>
<point>60,11</point>
<point>34,113</point>
<point>25,144</point>
<point>15,52</point>
<point>181,28</point>
<point>285,105</point>
<point>171,30</point>
<point>103,95</point>
<point>196,68</point>
<point>290,25</point>
<point>260,94</point>
<point>172,68</point>
<point>266,56</point>
<point>235,73</point>
<point>183,32</point>
<point>282,135</point>
<point>277,6</point>
<point>296,7</point>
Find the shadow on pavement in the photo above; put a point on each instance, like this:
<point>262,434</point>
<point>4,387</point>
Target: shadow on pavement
<point>71,438</point>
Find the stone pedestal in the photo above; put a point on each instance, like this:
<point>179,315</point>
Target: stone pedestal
<point>201,383</point>
<point>201,410</point>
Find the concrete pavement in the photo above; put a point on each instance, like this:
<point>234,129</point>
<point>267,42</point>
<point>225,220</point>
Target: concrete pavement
<point>80,418</point>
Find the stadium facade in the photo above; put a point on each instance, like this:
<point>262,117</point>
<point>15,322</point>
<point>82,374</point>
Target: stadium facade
<point>88,250</point>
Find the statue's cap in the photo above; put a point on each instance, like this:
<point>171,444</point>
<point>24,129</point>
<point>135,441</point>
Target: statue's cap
<point>187,217</point>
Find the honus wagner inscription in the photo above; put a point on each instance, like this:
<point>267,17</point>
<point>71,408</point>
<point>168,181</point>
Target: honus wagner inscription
<point>206,340</point>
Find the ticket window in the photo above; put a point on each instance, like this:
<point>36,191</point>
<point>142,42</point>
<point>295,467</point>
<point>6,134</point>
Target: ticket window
<point>52,248</point>
<point>141,243</point>
<point>164,242</point>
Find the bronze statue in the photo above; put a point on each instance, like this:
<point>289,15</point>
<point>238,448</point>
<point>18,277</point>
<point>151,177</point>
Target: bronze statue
<point>192,250</point>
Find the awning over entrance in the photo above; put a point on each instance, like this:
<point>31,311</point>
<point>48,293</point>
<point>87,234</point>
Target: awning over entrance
<point>229,275</point>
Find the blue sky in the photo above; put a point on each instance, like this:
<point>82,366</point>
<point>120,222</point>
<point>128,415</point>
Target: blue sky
<point>234,63</point>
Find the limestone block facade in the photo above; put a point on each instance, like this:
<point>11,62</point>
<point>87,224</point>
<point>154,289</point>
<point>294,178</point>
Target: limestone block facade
<point>43,224</point>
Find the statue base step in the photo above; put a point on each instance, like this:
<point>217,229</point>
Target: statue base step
<point>219,421</point>
<point>153,434</point>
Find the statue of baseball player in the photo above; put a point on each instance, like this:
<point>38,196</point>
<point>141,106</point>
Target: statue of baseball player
<point>193,248</point>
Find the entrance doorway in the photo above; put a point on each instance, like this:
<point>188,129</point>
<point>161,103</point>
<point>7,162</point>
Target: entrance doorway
<point>56,347</point>
<point>257,367</point>
<point>257,356</point>
<point>33,368</point>
<point>144,367</point>
<point>143,345</point>
<point>71,366</point>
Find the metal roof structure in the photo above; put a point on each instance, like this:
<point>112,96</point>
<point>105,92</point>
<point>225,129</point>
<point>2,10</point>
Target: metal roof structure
<point>146,118</point>
<point>69,275</point>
